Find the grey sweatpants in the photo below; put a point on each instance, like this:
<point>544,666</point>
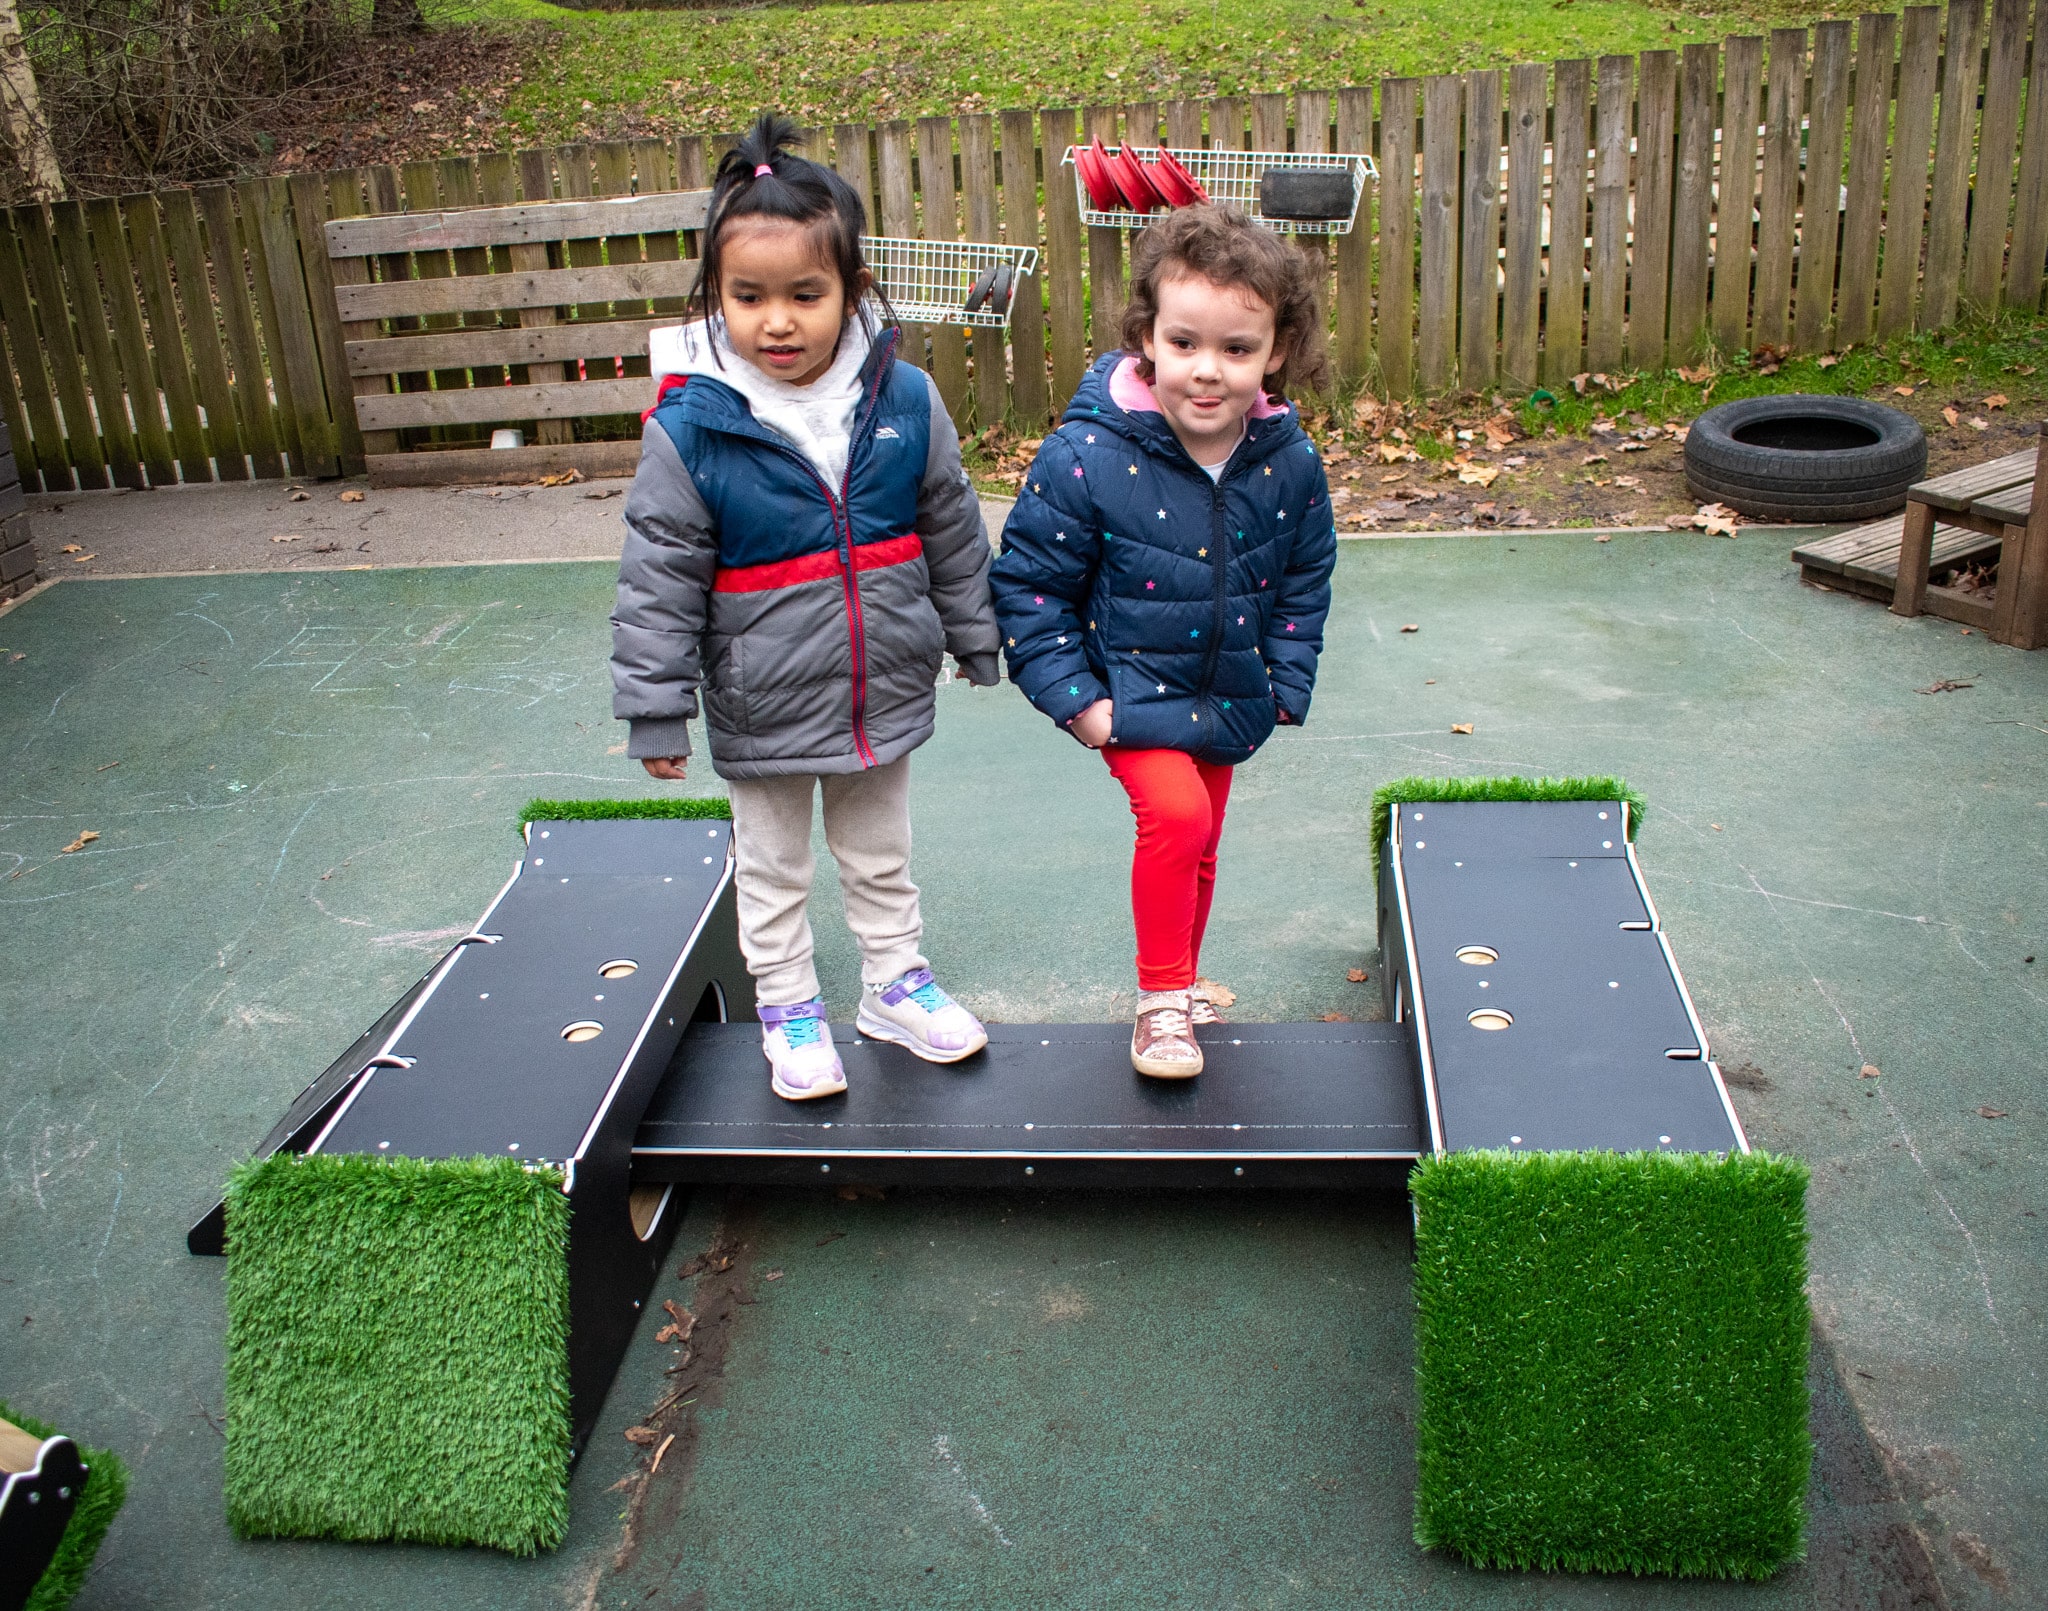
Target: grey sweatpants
<point>867,828</point>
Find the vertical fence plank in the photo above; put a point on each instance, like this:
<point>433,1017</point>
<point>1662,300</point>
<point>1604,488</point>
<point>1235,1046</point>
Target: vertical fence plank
<point>613,162</point>
<point>1650,279</point>
<point>1184,125</point>
<point>942,223</point>
<point>1522,302</point>
<point>249,203</point>
<point>345,200</point>
<point>44,447</point>
<point>1912,145</point>
<point>978,196</point>
<point>294,340</point>
<point>60,346</point>
<point>1777,213</point>
<point>1606,303</point>
<point>850,161</point>
<point>1856,300</point>
<point>1821,209</point>
<point>167,339</point>
<point>1692,201</point>
<point>1997,148</point>
<point>257,419</point>
<point>1312,134</point>
<point>110,244</point>
<point>102,370</point>
<point>1105,249</point>
<point>1479,253</point>
<point>16,421</point>
<point>1269,123</point>
<point>1735,207</point>
<point>421,184</point>
<point>537,183</point>
<point>2030,202</point>
<point>899,213</point>
<point>203,332</point>
<point>654,165</point>
<point>1066,315</point>
<point>1354,251</point>
<point>459,189</point>
<point>1394,318</point>
<point>1955,145</point>
<point>1226,123</point>
<point>1028,397</point>
<point>1141,123</point>
<point>1564,306</point>
<point>1437,324</point>
<point>308,195</point>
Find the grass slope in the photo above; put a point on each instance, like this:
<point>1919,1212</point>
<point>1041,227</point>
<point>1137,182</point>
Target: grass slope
<point>106,1486</point>
<point>706,70</point>
<point>605,810</point>
<point>1611,1355</point>
<point>1408,791</point>
<point>398,1361</point>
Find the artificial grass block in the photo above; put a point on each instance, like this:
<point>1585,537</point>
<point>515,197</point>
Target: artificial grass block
<point>398,1350</point>
<point>1414,790</point>
<point>697,810</point>
<point>1611,1356</point>
<point>106,1486</point>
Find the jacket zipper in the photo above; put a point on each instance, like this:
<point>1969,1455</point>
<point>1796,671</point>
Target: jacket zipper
<point>842,529</point>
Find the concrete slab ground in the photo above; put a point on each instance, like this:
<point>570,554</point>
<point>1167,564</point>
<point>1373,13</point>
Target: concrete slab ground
<point>304,787</point>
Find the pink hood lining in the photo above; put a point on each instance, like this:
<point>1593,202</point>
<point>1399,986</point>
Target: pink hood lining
<point>1132,393</point>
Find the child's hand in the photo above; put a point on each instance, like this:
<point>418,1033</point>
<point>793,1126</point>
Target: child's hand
<point>1091,727</point>
<point>668,768</point>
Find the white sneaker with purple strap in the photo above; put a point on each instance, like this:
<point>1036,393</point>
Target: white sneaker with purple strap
<point>802,1061</point>
<point>915,1012</point>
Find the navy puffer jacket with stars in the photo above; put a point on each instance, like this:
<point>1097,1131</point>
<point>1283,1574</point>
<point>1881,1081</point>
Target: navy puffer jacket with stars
<point>1126,574</point>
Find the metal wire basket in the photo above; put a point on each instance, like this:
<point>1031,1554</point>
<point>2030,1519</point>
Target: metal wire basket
<point>930,282</point>
<point>1232,178</point>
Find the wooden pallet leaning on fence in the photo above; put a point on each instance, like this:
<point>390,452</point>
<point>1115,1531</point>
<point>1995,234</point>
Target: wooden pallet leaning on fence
<point>565,318</point>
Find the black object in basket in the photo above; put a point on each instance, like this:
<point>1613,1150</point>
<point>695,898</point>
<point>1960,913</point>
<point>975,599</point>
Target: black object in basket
<point>1308,193</point>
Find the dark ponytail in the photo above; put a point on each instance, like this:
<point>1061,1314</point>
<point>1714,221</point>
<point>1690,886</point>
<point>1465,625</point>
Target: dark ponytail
<point>763,177</point>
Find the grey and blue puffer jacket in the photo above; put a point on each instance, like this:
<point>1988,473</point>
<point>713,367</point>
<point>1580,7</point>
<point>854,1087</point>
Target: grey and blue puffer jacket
<point>1127,574</point>
<point>814,618</point>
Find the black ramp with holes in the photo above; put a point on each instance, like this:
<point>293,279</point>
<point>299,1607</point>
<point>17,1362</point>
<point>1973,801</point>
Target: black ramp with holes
<point>1048,1105</point>
<point>1551,1010</point>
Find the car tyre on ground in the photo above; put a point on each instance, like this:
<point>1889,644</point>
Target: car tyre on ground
<point>1805,458</point>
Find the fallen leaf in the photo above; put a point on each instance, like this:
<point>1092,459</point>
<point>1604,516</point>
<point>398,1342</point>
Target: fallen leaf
<point>562,478</point>
<point>80,559</point>
<point>72,548</point>
<point>1680,522</point>
<point>1594,458</point>
<point>1715,826</point>
<point>1715,519</point>
<point>291,537</point>
<point>1217,995</point>
<point>1478,475</point>
<point>1392,476</point>
<point>1461,727</point>
<point>1692,377</point>
<point>1355,975</point>
<point>1903,391</point>
<point>80,842</point>
<point>299,496</point>
<point>1869,1071</point>
<point>684,1321</point>
<point>1993,1113</point>
<point>1604,537</point>
<point>2022,369</point>
<point>351,495</point>
<point>1392,454</point>
<point>1947,685</point>
<point>644,1436</point>
<point>1948,412</point>
<point>1977,424</point>
<point>1826,360</point>
<point>658,1453</point>
<point>1628,481</point>
<point>1996,400</point>
<point>1336,1018</point>
<point>772,1275</point>
<point>1411,627</point>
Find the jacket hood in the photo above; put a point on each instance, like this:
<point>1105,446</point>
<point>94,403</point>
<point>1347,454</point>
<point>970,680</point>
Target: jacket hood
<point>1113,394</point>
<point>701,351</point>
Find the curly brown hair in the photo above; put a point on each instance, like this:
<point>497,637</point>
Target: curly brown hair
<point>1223,246</point>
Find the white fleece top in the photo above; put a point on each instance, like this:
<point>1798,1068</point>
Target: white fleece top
<point>816,420</point>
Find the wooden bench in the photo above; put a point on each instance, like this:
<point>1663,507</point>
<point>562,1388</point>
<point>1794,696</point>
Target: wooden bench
<point>469,296</point>
<point>2006,503</point>
<point>1865,559</point>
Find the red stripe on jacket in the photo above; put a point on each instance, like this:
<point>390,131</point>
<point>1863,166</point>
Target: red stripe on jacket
<point>818,567</point>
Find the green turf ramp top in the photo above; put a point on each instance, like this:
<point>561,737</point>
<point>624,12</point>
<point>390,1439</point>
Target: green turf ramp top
<point>688,810</point>
<point>1410,791</point>
<point>398,1350</point>
<point>106,1486</point>
<point>1611,1358</point>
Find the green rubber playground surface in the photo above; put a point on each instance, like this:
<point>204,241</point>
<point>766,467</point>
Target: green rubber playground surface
<point>305,787</point>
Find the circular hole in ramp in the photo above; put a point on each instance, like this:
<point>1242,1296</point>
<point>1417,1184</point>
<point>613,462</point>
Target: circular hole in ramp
<point>583,1029</point>
<point>1478,956</point>
<point>619,968</point>
<point>1489,1018</point>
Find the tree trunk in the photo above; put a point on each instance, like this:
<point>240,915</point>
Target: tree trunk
<point>21,111</point>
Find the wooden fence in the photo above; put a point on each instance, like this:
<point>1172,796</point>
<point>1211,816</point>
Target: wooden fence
<point>1807,193</point>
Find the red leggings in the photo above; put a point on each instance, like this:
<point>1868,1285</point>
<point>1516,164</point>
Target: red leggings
<point>1179,804</point>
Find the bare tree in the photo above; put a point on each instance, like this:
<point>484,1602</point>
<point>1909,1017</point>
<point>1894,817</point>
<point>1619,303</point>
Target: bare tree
<point>21,112</point>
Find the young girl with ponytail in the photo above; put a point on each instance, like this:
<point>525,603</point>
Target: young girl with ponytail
<point>802,550</point>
